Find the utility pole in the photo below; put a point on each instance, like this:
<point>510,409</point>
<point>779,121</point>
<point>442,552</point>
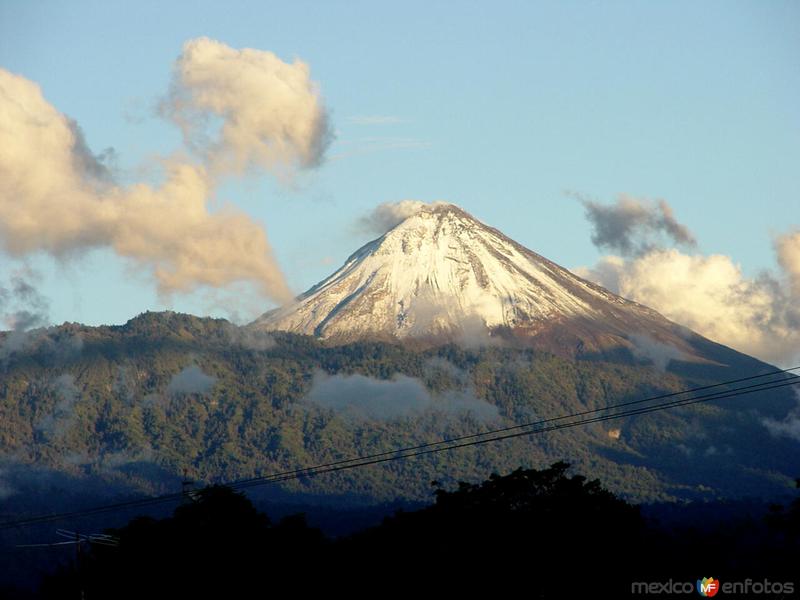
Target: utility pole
<point>78,541</point>
<point>186,488</point>
<point>77,538</point>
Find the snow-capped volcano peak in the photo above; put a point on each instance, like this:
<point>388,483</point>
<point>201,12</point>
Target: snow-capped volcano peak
<point>441,272</point>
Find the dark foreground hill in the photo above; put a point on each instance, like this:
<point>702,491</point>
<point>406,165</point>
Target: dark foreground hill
<point>545,533</point>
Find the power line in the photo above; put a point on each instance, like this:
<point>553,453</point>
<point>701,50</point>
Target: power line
<point>447,444</point>
<point>526,425</point>
<point>367,461</point>
<point>409,452</point>
<point>74,537</point>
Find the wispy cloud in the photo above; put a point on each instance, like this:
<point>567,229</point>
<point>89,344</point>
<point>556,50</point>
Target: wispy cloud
<point>634,226</point>
<point>191,380</point>
<point>387,215</point>
<point>659,353</point>
<point>361,398</point>
<point>787,427</point>
<point>25,311</point>
<point>57,423</point>
<point>370,145</point>
<point>22,307</point>
<point>369,120</point>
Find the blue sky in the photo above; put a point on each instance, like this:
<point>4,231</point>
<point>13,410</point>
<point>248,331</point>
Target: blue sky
<point>499,107</point>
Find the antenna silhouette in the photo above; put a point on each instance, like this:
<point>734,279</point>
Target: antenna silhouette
<point>78,539</point>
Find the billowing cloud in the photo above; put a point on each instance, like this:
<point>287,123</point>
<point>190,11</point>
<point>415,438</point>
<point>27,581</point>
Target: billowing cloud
<point>53,198</point>
<point>388,215</point>
<point>191,380</point>
<point>247,109</point>
<point>58,197</point>
<point>633,226</point>
<point>359,398</point>
<point>710,295</point>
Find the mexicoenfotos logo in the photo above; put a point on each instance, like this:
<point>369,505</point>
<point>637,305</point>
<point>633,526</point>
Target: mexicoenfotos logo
<point>707,587</point>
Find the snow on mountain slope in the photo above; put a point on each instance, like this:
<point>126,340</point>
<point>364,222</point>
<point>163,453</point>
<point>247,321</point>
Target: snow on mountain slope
<point>441,273</point>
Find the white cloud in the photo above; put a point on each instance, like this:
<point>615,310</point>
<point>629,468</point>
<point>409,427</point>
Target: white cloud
<point>57,197</point>
<point>269,113</point>
<point>358,397</point>
<point>710,295</point>
<point>787,247</point>
<point>191,380</point>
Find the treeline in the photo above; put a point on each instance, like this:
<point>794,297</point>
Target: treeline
<point>543,533</point>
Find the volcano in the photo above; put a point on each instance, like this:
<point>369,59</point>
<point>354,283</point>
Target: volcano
<point>441,275</point>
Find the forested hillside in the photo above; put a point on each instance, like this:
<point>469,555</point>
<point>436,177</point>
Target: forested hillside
<point>139,406</point>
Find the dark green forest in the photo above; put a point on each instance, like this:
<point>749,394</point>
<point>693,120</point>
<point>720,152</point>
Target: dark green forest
<point>101,404</point>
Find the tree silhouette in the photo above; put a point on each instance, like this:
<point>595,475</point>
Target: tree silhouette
<point>545,531</point>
